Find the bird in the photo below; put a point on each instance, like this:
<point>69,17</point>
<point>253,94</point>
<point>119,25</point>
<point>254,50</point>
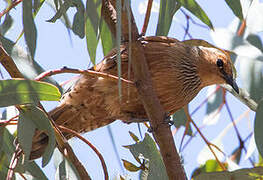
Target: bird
<point>178,72</point>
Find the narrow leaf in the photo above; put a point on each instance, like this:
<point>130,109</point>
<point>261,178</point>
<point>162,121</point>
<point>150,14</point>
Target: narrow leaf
<point>62,10</point>
<point>129,166</point>
<point>107,40</point>
<point>29,27</point>
<point>166,13</point>
<point>194,8</point>
<point>41,121</point>
<point>25,132</point>
<point>148,149</point>
<point>6,25</point>
<point>236,7</point>
<point>93,9</point>
<point>20,91</point>
<point>78,25</point>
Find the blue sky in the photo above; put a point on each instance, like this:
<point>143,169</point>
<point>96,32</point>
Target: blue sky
<point>56,49</point>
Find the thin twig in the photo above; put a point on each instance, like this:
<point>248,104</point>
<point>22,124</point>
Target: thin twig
<point>147,17</point>
<point>13,4</point>
<point>91,146</point>
<point>209,145</point>
<point>78,71</point>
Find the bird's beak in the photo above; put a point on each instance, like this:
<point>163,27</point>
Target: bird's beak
<point>229,80</point>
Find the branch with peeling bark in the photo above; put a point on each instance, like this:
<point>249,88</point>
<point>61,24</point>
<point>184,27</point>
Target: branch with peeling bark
<point>161,131</point>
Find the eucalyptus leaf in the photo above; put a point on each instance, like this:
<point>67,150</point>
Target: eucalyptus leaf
<point>93,10</point>
<point>167,10</point>
<point>25,132</point>
<point>29,27</point>
<point>236,7</point>
<point>6,25</point>
<point>30,69</point>
<point>148,149</point>
<point>41,121</point>
<point>242,174</point>
<point>61,11</point>
<point>107,40</point>
<point>20,91</point>
<point>194,8</point>
<point>180,119</point>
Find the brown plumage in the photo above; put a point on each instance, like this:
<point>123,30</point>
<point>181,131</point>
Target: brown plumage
<point>178,73</point>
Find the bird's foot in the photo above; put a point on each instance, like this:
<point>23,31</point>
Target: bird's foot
<point>167,121</point>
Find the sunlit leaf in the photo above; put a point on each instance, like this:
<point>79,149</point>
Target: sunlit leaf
<point>194,8</point>
<point>107,40</point>
<point>254,20</point>
<point>29,27</point>
<point>242,174</point>
<point>130,166</point>
<point>166,13</point>
<point>148,149</point>
<point>134,137</point>
<point>41,121</point>
<point>21,59</point>
<point>235,6</point>
<point>20,91</point>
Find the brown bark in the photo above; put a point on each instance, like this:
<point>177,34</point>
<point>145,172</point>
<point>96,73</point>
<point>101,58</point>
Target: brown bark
<point>154,110</point>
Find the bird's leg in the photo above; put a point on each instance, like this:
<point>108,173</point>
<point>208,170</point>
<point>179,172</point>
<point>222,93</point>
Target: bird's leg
<point>167,120</point>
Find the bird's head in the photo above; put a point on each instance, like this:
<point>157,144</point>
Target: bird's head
<point>216,67</point>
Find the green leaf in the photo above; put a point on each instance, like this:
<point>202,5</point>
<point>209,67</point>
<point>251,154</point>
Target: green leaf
<point>241,174</point>
<point>19,91</point>
<point>255,40</point>
<point>29,69</point>
<point>258,126</point>
<point>166,13</point>
<point>62,10</point>
<point>25,132</point>
<point>148,149</point>
<point>180,119</point>
<point>194,8</point>
<point>107,40</point>
<point>93,9</point>
<point>29,27</point>
<point>6,25</point>
<point>236,7</point>
<point>41,121</point>
<point>78,23</point>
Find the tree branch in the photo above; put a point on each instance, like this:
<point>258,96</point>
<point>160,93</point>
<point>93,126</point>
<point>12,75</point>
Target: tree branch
<point>155,112</point>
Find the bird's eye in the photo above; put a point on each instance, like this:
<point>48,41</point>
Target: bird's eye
<point>219,63</point>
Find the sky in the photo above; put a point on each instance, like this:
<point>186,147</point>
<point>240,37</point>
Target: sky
<point>55,49</point>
